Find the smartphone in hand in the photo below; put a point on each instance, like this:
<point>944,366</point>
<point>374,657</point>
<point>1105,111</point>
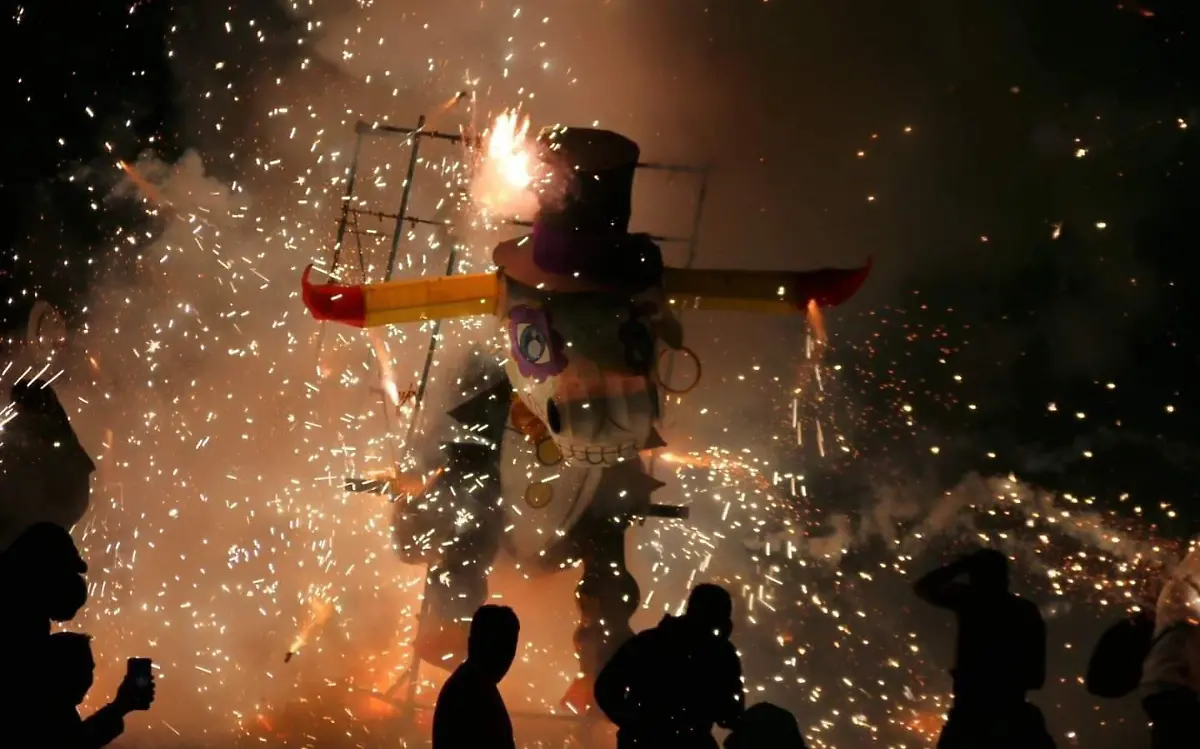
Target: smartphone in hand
<point>139,671</point>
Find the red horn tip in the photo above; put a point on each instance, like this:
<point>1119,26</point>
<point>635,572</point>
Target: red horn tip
<point>333,302</point>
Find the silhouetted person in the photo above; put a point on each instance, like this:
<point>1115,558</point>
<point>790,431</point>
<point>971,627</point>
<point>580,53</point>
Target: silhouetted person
<point>67,671</point>
<point>666,687</point>
<point>470,711</point>
<point>1116,664</point>
<point>766,726</point>
<point>1000,655</point>
<point>1170,684</point>
<point>41,580</point>
<point>45,474</point>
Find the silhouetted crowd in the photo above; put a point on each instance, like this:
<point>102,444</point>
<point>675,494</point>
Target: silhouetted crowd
<point>667,687</point>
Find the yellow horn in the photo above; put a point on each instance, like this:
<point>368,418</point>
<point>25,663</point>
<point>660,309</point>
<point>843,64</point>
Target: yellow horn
<point>774,292</point>
<point>394,302</point>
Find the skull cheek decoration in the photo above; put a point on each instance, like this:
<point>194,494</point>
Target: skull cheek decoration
<point>598,405</point>
<point>536,359</point>
<point>537,348</point>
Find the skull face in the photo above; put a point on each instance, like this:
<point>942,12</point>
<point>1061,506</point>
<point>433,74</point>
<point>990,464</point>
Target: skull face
<point>584,365</point>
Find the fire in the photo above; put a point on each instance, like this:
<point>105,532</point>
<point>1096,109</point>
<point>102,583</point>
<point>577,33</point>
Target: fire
<point>320,612</point>
<point>505,175</point>
<point>508,150</point>
<point>816,321</point>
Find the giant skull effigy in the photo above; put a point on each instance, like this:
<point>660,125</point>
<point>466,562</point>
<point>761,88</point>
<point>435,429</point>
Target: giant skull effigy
<point>549,469</point>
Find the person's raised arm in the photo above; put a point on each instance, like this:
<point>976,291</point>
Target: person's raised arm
<point>102,727</point>
<point>941,587</point>
<point>614,680</point>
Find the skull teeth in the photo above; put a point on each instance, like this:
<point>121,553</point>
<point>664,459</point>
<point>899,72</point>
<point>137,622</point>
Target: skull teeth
<point>601,455</point>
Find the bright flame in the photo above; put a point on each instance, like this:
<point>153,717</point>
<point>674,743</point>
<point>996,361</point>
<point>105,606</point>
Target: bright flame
<point>504,176</point>
<point>508,149</point>
<point>817,321</point>
<point>319,613</point>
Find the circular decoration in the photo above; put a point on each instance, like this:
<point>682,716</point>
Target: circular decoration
<point>678,391</point>
<point>532,344</point>
<point>548,453</point>
<point>538,495</point>
<point>47,330</point>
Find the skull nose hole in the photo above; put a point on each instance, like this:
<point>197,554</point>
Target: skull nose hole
<point>553,417</point>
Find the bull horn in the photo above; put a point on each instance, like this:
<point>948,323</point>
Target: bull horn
<point>773,292</point>
<point>394,302</point>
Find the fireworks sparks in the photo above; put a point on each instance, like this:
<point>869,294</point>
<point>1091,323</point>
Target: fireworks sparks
<point>220,535</point>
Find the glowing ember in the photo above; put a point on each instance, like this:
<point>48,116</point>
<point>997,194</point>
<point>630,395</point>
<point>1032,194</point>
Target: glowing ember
<point>320,612</point>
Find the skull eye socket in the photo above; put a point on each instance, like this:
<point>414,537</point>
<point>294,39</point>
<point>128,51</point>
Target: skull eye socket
<point>553,417</point>
<point>532,344</point>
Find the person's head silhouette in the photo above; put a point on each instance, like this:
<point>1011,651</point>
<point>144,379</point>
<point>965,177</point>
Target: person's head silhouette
<point>711,607</point>
<point>989,571</point>
<point>45,573</point>
<point>492,642</point>
<point>69,667</point>
<point>766,725</point>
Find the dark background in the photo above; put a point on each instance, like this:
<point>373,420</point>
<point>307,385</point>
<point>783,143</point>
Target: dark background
<point>1004,93</point>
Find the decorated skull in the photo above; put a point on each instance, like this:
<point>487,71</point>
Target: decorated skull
<point>585,365</point>
<point>583,306</point>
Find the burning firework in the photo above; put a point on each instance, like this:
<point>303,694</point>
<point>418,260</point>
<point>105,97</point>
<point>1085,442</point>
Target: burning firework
<point>504,183</point>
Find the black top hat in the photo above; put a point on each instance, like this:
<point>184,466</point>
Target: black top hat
<point>580,240</point>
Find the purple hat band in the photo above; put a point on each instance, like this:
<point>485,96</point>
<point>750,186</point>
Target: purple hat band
<point>609,259</point>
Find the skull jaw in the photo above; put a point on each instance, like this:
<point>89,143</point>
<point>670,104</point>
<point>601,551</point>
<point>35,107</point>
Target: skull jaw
<point>592,453</point>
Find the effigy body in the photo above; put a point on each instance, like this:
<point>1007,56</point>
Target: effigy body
<point>497,495</point>
<point>547,466</point>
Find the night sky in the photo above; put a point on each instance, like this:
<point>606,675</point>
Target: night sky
<point>1024,172</point>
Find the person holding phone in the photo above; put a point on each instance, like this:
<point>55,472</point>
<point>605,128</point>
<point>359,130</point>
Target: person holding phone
<point>65,678</point>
